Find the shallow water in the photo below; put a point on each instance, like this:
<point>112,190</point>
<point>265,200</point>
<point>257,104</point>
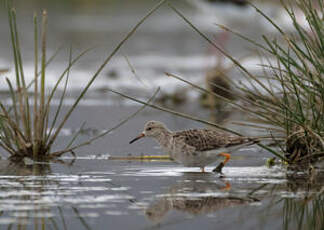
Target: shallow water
<point>94,192</point>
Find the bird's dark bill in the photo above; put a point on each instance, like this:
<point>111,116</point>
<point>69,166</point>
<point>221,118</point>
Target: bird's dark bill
<point>137,138</point>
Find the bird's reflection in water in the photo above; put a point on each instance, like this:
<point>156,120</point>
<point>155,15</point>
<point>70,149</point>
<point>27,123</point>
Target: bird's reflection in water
<point>196,194</point>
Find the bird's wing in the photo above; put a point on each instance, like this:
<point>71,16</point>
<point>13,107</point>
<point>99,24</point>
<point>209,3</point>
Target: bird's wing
<point>205,139</point>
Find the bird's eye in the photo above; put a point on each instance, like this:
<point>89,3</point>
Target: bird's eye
<point>148,129</point>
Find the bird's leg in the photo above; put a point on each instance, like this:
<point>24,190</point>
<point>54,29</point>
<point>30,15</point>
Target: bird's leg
<point>227,157</point>
<point>222,164</point>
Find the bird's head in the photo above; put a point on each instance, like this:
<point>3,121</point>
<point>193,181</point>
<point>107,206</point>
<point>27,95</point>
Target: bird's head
<point>151,129</point>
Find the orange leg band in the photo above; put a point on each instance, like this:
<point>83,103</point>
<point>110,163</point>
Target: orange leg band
<point>227,157</point>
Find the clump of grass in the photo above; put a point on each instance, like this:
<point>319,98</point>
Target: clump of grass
<point>26,130</point>
<point>292,99</point>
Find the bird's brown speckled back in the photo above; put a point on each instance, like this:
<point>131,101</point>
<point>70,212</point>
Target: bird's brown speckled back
<point>205,139</point>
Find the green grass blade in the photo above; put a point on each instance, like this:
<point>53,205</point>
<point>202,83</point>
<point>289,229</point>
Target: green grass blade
<point>256,44</point>
<point>14,102</point>
<point>42,115</point>
<point>36,138</point>
<point>25,106</point>
<point>58,82</point>
<point>62,97</point>
<point>73,61</point>
<point>16,62</point>
<point>48,62</point>
<point>14,49</point>
<point>267,18</point>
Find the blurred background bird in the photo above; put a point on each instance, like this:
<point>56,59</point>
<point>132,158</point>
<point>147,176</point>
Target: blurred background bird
<point>239,16</point>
